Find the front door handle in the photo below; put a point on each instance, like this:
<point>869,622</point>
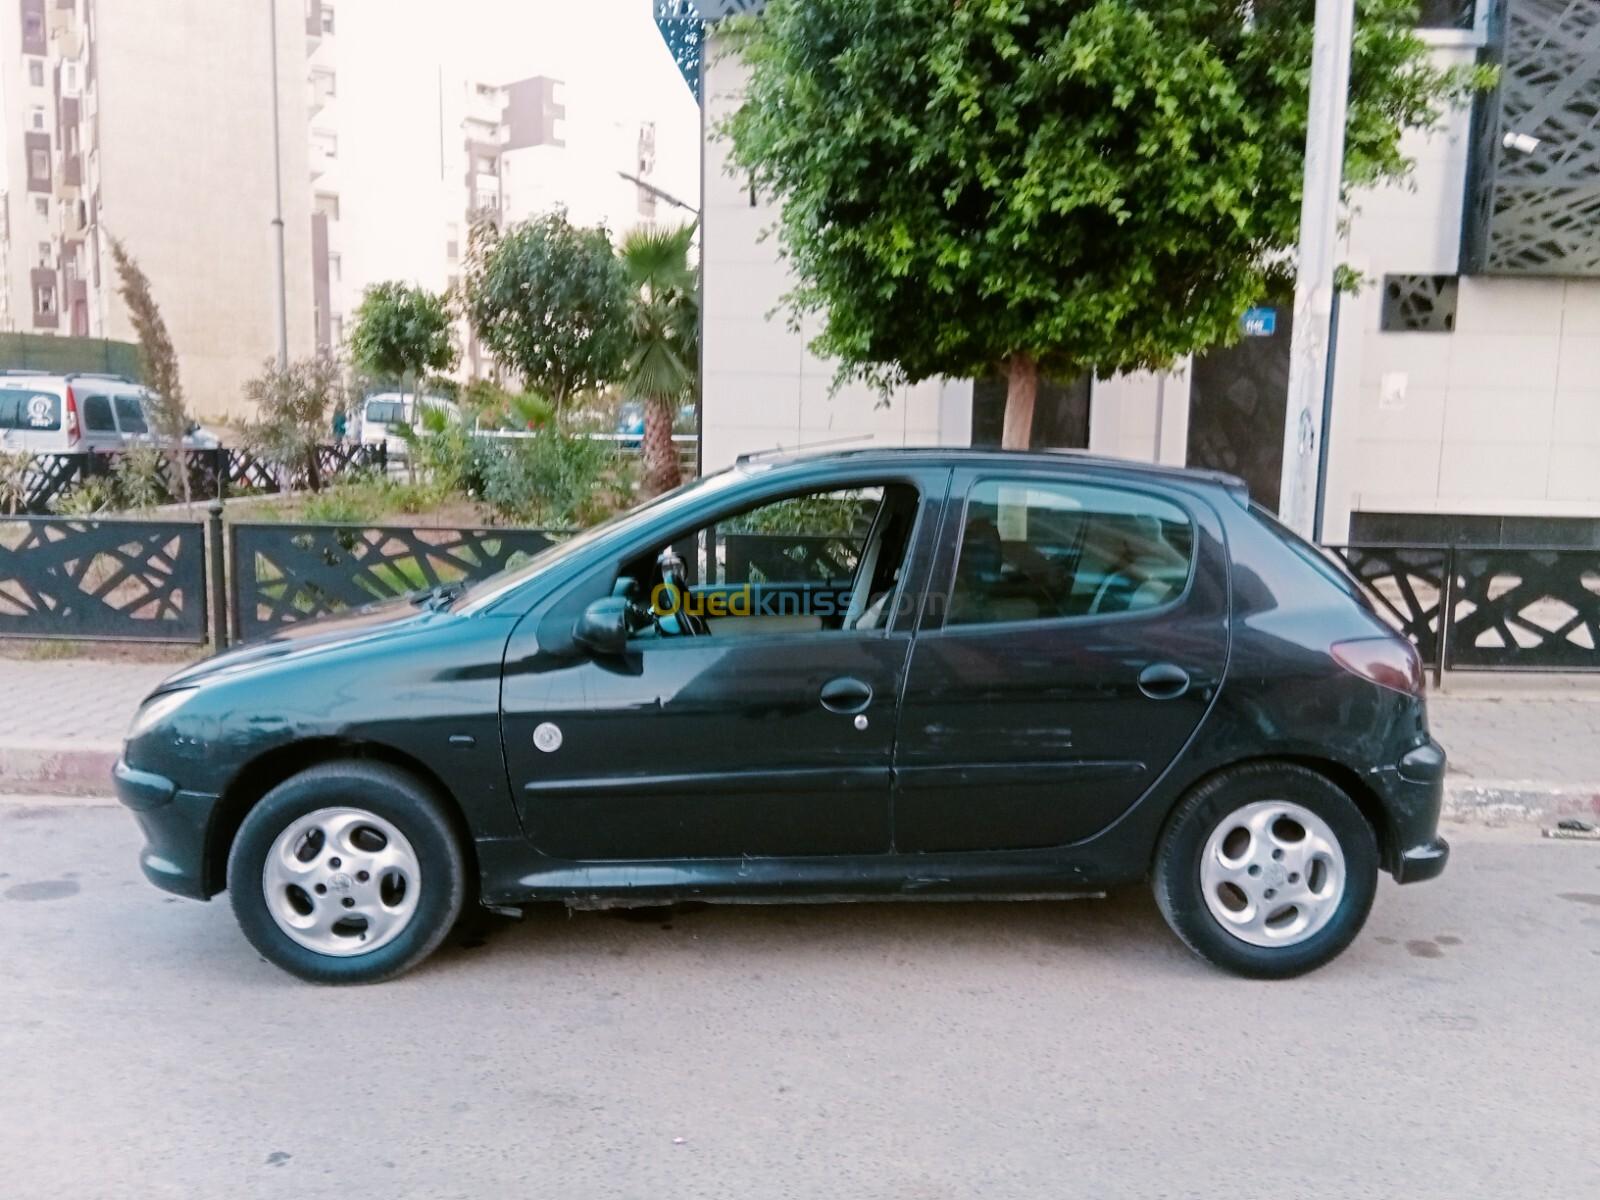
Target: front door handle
<point>1163,681</point>
<point>846,695</point>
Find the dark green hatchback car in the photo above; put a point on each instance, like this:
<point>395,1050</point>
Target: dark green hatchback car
<point>882,673</point>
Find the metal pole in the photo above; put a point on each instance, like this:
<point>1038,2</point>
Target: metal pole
<point>1313,291</point>
<point>1327,423</point>
<point>277,198</point>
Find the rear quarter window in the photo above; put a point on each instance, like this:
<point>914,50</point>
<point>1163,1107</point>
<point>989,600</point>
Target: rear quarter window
<point>29,411</point>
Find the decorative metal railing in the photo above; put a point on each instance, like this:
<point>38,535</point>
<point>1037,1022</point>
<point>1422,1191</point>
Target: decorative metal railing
<point>122,580</point>
<point>1488,608</point>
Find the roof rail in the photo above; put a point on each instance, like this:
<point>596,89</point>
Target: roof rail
<point>109,375</point>
<point>751,456</point>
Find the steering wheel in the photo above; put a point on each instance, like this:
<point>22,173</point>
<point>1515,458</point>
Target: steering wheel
<point>676,578</point>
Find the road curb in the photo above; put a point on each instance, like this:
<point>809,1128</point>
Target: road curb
<point>56,769</point>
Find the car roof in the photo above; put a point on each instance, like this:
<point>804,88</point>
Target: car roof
<point>961,456</point>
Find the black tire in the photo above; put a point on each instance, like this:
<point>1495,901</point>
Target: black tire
<point>389,793</point>
<point>1177,878</point>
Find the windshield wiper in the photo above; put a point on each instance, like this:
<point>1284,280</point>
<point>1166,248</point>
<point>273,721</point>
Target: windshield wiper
<point>440,596</point>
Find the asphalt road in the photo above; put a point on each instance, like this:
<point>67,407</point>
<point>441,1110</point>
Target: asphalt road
<point>958,1050</point>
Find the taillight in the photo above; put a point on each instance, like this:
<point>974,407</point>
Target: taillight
<point>1387,662</point>
<point>74,432</point>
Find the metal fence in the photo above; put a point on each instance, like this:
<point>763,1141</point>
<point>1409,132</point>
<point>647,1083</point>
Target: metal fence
<point>48,479</point>
<point>116,580</point>
<point>1466,608</point>
<point>1494,608</point>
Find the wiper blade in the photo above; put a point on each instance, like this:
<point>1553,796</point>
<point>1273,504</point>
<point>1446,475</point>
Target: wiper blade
<point>440,596</point>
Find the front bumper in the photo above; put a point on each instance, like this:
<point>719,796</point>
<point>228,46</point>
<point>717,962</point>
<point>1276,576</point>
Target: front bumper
<point>1413,793</point>
<point>176,826</point>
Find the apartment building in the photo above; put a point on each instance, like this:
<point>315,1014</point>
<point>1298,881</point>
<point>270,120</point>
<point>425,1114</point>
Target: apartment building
<point>179,167</point>
<point>1467,370</point>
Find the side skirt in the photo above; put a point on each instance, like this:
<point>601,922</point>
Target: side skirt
<point>512,874</point>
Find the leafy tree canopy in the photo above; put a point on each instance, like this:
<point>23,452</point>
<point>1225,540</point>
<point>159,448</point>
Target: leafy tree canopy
<point>1056,185</point>
<point>551,301</point>
<point>401,329</point>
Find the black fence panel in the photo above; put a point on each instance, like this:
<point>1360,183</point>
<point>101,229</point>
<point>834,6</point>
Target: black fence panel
<point>281,574</point>
<point>1525,608</point>
<point>1409,585</point>
<point>121,580</point>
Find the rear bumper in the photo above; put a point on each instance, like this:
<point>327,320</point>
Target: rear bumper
<point>176,825</point>
<point>1413,792</point>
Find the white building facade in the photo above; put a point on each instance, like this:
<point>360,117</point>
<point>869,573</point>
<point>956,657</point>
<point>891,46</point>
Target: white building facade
<point>1466,396</point>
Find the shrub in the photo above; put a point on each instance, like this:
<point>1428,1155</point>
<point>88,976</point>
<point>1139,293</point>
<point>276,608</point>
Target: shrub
<point>139,478</point>
<point>556,480</point>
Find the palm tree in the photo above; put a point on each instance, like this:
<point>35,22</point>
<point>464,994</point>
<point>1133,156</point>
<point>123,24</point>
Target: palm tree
<point>662,367</point>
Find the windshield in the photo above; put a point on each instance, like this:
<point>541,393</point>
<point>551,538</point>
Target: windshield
<point>488,591</point>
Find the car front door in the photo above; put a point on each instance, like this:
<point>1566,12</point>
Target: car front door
<point>1075,635</point>
<point>768,732</point>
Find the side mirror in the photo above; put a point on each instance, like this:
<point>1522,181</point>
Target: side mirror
<point>603,627</point>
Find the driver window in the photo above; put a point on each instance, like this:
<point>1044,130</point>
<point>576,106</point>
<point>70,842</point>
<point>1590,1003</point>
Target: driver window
<point>1033,550</point>
<point>817,563</point>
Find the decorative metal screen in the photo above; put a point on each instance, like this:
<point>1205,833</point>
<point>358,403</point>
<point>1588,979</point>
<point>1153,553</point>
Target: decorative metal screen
<point>682,26</point>
<point>1525,608</point>
<point>287,573</point>
<point>1534,209</point>
<point>125,580</point>
<point>1419,303</point>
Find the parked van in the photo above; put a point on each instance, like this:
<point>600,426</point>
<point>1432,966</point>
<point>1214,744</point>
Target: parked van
<point>81,412</point>
<point>384,413</point>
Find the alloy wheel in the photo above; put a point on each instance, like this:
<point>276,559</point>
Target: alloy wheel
<point>341,881</point>
<point>1272,873</point>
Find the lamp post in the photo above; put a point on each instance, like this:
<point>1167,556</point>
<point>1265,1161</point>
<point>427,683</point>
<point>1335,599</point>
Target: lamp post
<point>277,199</point>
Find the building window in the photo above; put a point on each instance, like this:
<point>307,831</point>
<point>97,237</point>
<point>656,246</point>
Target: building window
<point>33,27</point>
<point>39,165</point>
<point>36,72</point>
<point>41,205</point>
<point>36,119</point>
<point>1447,14</point>
<point>327,17</point>
<point>44,254</point>
<point>69,82</point>
<point>335,268</point>
<point>44,299</point>
<point>328,205</point>
<point>1419,303</point>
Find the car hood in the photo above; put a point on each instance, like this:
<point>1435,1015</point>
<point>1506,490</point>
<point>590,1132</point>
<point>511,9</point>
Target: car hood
<point>369,624</point>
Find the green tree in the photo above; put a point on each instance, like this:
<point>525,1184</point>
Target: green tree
<point>158,360</point>
<point>550,300</point>
<point>402,332</point>
<point>665,325</point>
<point>292,405</point>
<point>1020,186</point>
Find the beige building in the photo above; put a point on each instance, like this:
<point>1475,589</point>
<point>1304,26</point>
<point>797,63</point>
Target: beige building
<point>178,165</point>
<point>1466,400</point>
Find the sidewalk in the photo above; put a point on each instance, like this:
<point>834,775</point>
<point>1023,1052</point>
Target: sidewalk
<point>1521,746</point>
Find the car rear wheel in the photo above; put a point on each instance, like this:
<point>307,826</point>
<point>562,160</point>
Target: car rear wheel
<point>1267,870</point>
<point>349,872</point>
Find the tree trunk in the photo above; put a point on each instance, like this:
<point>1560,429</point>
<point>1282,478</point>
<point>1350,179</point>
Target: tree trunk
<point>415,423</point>
<point>661,472</point>
<point>1022,388</point>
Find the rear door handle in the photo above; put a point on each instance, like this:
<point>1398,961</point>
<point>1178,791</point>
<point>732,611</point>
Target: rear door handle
<point>1163,681</point>
<point>845,695</point>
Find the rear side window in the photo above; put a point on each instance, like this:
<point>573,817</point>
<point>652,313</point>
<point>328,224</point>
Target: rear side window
<point>129,415</point>
<point>29,410</point>
<point>1034,550</point>
<point>1324,562</point>
<point>97,414</point>
<point>385,412</point>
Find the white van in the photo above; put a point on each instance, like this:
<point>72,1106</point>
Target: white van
<point>78,413</point>
<point>384,412</point>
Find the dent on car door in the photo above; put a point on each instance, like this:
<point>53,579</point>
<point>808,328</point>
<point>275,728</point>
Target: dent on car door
<point>702,739</point>
<point>1075,644</point>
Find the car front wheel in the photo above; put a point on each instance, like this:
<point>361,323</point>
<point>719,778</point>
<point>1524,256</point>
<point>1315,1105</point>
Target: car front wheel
<point>1267,870</point>
<point>349,872</point>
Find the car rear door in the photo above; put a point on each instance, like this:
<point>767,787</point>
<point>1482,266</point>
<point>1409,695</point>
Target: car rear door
<point>1075,636</point>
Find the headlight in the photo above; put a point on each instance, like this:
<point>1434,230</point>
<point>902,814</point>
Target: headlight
<point>155,711</point>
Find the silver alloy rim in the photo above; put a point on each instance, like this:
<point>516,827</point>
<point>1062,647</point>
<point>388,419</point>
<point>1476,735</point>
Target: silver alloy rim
<point>341,881</point>
<point>1272,873</point>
